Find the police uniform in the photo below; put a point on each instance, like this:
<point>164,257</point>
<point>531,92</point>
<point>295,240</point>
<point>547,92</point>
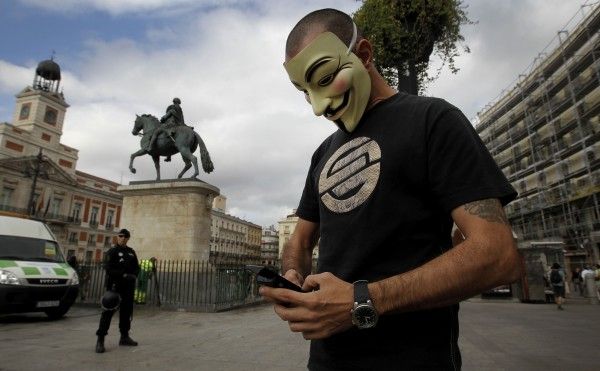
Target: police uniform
<point>122,269</point>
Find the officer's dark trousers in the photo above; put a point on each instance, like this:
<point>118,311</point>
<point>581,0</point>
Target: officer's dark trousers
<point>125,314</point>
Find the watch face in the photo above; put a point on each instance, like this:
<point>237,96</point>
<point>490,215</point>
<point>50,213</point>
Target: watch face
<point>364,316</point>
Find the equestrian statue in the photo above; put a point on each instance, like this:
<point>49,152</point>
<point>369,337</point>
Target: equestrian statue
<point>167,137</point>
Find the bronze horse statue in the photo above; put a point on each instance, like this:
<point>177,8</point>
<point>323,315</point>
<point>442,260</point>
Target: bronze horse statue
<point>184,140</point>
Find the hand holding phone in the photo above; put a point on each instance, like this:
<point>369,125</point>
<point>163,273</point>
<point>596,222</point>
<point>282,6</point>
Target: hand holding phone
<point>267,277</point>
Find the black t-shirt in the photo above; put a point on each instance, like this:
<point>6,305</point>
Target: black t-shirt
<point>382,196</point>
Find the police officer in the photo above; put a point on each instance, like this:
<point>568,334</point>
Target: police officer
<point>122,269</point>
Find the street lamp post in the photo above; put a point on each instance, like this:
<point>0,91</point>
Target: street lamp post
<point>36,172</point>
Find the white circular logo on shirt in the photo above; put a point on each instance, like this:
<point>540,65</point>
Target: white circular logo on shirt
<point>350,175</point>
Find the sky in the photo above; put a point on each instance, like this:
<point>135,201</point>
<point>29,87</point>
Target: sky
<point>223,59</point>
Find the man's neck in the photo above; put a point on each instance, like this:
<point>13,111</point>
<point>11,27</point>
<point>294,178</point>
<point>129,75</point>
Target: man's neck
<point>380,90</point>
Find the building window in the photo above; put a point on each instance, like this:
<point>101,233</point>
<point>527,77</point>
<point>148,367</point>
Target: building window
<point>109,219</point>
<point>55,206</point>
<point>25,108</point>
<point>88,256</point>
<point>76,214</point>
<point>6,196</point>
<point>92,240</point>
<point>50,116</point>
<point>107,241</point>
<point>73,237</point>
<point>94,216</point>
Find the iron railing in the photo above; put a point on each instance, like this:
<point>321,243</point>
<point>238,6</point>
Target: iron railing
<point>188,285</point>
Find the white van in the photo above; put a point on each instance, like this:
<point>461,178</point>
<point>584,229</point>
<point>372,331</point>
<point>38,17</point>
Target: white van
<point>34,276</point>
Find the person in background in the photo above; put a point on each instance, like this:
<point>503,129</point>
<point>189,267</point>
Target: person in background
<point>557,281</point>
<point>72,261</point>
<point>577,281</point>
<point>147,268</point>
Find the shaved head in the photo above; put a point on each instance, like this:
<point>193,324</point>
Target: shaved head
<point>317,22</point>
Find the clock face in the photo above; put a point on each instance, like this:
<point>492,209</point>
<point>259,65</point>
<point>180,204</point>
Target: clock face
<point>24,114</point>
<point>50,115</point>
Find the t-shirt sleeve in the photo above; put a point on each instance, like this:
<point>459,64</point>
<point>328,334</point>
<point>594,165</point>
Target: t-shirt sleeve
<point>460,168</point>
<point>308,209</point>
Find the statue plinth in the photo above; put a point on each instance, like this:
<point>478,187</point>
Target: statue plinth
<point>169,219</point>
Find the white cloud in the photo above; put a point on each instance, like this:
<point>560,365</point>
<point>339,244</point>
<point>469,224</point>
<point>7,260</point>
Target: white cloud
<point>226,66</point>
<point>227,69</point>
<point>116,7</point>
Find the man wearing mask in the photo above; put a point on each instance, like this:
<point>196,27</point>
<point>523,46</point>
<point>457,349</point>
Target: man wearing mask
<point>382,193</point>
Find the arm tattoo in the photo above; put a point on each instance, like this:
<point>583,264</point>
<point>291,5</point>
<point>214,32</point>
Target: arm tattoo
<point>490,210</point>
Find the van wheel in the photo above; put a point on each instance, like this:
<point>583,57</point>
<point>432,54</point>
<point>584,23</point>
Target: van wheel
<point>56,313</point>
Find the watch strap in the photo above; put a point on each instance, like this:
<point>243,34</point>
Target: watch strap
<point>361,291</point>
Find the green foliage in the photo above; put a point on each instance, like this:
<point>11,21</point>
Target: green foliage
<point>405,33</point>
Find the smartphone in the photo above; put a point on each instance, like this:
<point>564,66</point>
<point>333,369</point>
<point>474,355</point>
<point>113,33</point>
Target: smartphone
<point>267,277</point>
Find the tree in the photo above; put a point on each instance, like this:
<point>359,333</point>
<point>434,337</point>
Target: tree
<point>405,33</point>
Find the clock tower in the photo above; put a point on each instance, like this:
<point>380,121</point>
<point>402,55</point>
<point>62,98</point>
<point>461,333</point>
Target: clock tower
<point>41,107</point>
<point>38,120</point>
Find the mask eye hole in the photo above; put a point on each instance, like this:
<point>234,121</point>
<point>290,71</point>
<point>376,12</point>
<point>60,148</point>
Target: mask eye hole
<point>326,80</point>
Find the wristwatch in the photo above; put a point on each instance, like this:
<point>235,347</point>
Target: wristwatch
<point>364,314</point>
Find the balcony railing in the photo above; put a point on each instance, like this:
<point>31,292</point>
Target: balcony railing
<point>93,224</point>
<point>16,210</point>
<point>109,226</point>
<point>74,220</point>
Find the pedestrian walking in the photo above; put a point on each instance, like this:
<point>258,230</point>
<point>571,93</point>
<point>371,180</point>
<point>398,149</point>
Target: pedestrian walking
<point>122,268</point>
<point>557,280</point>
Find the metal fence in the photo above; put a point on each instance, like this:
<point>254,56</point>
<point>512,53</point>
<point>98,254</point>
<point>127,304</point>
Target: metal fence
<point>189,285</point>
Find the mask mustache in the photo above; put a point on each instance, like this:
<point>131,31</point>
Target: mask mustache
<point>332,112</point>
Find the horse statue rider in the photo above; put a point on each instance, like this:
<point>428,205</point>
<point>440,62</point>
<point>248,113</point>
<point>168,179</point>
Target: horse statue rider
<point>173,117</point>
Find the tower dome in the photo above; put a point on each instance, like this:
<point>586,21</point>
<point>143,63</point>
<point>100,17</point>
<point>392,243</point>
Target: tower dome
<point>47,76</point>
<point>48,70</point>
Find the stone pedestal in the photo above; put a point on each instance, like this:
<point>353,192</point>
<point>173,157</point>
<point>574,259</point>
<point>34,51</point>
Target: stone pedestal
<point>169,219</point>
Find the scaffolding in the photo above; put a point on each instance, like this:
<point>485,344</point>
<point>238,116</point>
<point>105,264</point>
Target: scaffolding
<point>543,133</point>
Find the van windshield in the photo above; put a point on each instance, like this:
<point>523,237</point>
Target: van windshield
<point>29,249</point>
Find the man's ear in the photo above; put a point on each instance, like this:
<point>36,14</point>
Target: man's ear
<point>364,51</point>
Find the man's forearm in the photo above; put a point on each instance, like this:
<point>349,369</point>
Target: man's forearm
<point>297,258</point>
<point>464,271</point>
